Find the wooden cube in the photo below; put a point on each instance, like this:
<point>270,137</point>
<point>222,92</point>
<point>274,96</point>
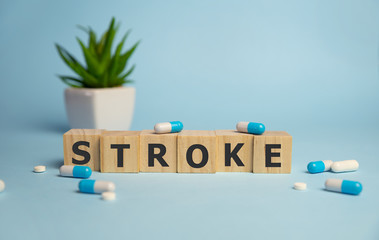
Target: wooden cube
<point>235,151</point>
<point>272,152</point>
<point>81,147</point>
<point>119,151</point>
<point>197,151</point>
<point>158,152</point>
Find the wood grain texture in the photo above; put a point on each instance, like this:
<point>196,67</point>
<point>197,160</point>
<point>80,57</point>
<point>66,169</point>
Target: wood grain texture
<point>158,144</point>
<point>279,143</point>
<point>111,161</point>
<point>197,144</point>
<point>90,136</point>
<point>235,151</point>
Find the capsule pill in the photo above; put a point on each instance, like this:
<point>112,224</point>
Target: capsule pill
<point>75,171</point>
<point>343,186</point>
<point>93,186</point>
<point>345,166</point>
<point>319,166</point>
<point>168,127</point>
<point>251,127</point>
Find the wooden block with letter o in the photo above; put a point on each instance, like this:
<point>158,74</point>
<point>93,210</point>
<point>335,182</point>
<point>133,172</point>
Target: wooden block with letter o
<point>158,152</point>
<point>197,151</point>
<point>235,151</point>
<point>272,152</point>
<point>119,151</point>
<point>81,147</point>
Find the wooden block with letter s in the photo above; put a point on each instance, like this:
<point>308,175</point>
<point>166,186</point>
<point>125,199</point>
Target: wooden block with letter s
<point>119,151</point>
<point>158,152</point>
<point>197,151</point>
<point>81,147</point>
<point>272,152</point>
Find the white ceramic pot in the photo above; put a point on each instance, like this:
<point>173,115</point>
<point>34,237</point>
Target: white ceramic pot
<point>100,108</point>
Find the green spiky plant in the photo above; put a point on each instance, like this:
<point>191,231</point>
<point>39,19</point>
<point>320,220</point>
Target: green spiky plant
<point>102,70</point>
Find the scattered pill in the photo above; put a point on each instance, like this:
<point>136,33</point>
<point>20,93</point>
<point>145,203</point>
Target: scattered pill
<point>168,127</point>
<point>345,166</point>
<point>2,185</point>
<point>108,196</point>
<point>343,186</point>
<point>39,169</point>
<point>251,127</point>
<point>75,171</point>
<point>93,186</point>
<point>319,166</point>
<point>300,186</point>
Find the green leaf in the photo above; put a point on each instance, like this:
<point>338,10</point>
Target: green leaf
<point>68,80</point>
<point>89,80</point>
<point>124,58</point>
<point>106,53</point>
<point>128,72</point>
<point>91,60</point>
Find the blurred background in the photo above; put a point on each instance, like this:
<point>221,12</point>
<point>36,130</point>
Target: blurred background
<point>306,67</point>
<point>294,65</point>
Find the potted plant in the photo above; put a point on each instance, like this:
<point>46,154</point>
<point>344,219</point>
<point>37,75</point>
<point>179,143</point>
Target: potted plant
<point>96,98</point>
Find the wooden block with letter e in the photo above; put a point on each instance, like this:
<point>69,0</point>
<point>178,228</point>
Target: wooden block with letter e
<point>197,151</point>
<point>119,151</point>
<point>81,147</point>
<point>158,152</point>
<point>272,152</point>
<point>235,151</point>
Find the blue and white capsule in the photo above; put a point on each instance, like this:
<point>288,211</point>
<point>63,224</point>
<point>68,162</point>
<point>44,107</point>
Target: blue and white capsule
<point>343,186</point>
<point>251,127</point>
<point>75,171</point>
<point>319,166</point>
<point>168,127</point>
<point>93,186</point>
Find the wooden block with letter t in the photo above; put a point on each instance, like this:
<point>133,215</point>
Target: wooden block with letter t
<point>81,147</point>
<point>157,152</point>
<point>272,152</point>
<point>197,151</point>
<point>235,151</point>
<point>119,151</point>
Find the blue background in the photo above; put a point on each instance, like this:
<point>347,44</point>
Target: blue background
<point>306,67</point>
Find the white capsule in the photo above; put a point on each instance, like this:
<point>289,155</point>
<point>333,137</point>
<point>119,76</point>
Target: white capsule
<point>2,185</point>
<point>39,169</point>
<point>108,196</point>
<point>300,186</point>
<point>345,166</point>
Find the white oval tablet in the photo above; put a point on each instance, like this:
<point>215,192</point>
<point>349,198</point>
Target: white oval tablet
<point>40,169</point>
<point>108,196</point>
<point>300,186</point>
<point>345,166</point>
<point>2,185</point>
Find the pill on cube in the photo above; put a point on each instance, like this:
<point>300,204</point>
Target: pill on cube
<point>75,171</point>
<point>168,127</point>
<point>319,166</point>
<point>251,127</point>
<point>343,186</point>
<point>345,166</point>
<point>94,186</point>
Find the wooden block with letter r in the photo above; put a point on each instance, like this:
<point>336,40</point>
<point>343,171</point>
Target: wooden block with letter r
<point>119,151</point>
<point>235,151</point>
<point>158,152</point>
<point>272,152</point>
<point>197,151</point>
<point>81,147</point>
